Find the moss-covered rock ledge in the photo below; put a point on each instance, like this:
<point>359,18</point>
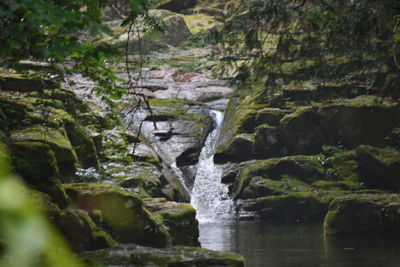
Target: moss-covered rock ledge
<point>133,255</point>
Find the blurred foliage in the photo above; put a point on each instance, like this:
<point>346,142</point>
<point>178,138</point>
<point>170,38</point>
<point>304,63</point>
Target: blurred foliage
<point>26,237</point>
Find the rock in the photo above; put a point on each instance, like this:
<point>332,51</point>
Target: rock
<point>59,144</point>
<point>123,213</point>
<point>18,112</point>
<point>267,143</point>
<point>177,5</point>
<point>133,255</point>
<point>361,121</point>
<point>81,232</point>
<point>378,168</point>
<point>303,169</point>
<point>177,190</point>
<point>292,208</point>
<point>176,30</point>
<point>240,149</point>
<point>177,139</point>
<point>303,132</point>
<point>365,167</point>
<point>180,219</point>
<point>253,118</point>
<point>36,163</point>
<point>364,214</point>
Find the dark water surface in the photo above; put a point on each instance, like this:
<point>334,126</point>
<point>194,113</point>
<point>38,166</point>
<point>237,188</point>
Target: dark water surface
<point>266,245</point>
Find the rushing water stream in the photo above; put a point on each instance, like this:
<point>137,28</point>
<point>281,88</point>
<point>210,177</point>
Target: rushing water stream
<point>209,196</point>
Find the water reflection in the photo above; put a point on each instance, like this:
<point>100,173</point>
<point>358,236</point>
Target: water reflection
<point>266,245</point>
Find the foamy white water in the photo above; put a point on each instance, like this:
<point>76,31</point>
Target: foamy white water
<point>209,196</point>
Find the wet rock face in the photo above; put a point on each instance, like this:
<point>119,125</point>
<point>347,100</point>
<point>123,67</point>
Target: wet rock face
<point>363,214</point>
<point>133,255</point>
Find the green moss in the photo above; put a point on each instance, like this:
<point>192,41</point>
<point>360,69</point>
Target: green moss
<point>200,22</point>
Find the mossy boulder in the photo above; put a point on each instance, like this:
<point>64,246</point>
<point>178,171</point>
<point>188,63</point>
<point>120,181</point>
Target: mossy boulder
<point>379,168</point>
<point>240,149</point>
<point>363,214</point>
<point>361,121</point>
<point>267,143</point>
<point>252,118</point>
<point>180,218</point>
<point>295,170</point>
<point>299,207</point>
<point>36,163</point>
<point>260,187</point>
<point>133,255</point>
<point>123,213</point>
<point>59,144</point>
<point>303,132</point>
<point>366,167</point>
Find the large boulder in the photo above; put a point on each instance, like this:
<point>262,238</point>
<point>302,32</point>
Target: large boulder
<point>123,213</point>
<point>262,177</point>
<point>240,149</point>
<point>364,214</point>
<point>299,207</point>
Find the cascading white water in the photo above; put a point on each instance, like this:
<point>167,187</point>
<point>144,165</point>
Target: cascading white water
<point>209,196</point>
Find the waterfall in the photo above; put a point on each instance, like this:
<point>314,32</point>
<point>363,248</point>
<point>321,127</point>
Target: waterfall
<point>209,196</point>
